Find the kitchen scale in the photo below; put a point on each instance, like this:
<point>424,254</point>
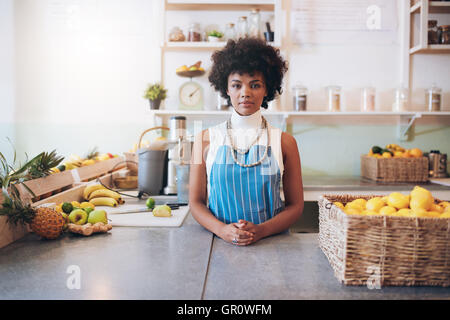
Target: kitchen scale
<point>191,93</point>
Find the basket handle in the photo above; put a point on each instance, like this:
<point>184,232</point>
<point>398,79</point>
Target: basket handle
<point>143,133</point>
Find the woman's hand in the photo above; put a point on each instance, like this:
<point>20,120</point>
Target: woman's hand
<point>255,229</point>
<point>233,234</point>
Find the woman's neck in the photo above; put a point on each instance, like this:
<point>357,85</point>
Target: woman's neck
<point>252,121</point>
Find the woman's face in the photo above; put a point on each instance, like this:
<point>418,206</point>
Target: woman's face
<point>246,92</point>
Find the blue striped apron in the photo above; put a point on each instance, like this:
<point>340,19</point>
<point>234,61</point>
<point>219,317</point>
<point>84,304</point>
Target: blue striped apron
<point>251,194</point>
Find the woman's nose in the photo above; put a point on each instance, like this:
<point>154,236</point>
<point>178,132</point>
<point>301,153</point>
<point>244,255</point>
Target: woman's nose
<point>245,91</point>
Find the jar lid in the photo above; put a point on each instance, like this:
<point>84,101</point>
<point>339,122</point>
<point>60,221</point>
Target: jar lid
<point>230,24</point>
<point>243,18</point>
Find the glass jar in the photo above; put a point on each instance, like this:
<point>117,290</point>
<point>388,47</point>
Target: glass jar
<point>334,98</point>
<point>432,32</point>
<point>300,95</point>
<point>401,99</point>
<point>445,34</point>
<point>230,32</point>
<point>433,98</point>
<point>194,34</point>
<point>242,29</point>
<point>368,99</point>
<point>254,24</point>
<point>176,34</point>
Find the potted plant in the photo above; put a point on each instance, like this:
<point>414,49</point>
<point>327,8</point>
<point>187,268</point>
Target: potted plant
<point>155,93</point>
<point>215,36</point>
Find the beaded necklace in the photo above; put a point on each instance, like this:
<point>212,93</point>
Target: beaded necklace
<point>244,151</point>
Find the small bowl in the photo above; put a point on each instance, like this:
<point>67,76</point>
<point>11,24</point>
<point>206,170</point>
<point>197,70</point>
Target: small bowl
<point>191,74</point>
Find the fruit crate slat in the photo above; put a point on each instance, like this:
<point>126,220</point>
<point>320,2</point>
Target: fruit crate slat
<point>46,185</point>
<point>100,168</point>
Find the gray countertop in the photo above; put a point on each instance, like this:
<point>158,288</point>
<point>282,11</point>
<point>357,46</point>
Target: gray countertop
<point>179,263</point>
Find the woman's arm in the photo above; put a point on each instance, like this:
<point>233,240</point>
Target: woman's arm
<point>293,193</point>
<point>198,194</point>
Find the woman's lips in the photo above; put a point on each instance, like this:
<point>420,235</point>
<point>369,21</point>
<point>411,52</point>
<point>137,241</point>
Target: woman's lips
<point>246,103</point>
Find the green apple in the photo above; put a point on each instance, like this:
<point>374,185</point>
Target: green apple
<point>98,216</point>
<point>78,216</point>
<point>88,209</point>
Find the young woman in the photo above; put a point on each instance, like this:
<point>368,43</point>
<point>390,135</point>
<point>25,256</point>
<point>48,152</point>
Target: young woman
<point>245,179</point>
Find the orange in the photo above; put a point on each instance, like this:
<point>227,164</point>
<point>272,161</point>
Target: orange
<point>416,152</point>
<point>407,154</point>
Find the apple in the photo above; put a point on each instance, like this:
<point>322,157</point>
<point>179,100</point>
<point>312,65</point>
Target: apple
<point>193,69</point>
<point>98,216</point>
<point>78,216</point>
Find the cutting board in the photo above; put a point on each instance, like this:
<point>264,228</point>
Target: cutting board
<point>142,219</point>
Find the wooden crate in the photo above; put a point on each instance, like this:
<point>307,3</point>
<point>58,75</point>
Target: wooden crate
<point>394,169</point>
<point>58,182</point>
<point>384,250</point>
<point>10,233</point>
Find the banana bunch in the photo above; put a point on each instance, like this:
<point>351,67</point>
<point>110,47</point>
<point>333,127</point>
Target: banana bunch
<point>98,195</point>
<point>395,147</point>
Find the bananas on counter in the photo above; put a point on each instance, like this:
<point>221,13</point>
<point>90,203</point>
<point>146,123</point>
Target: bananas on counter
<point>98,195</point>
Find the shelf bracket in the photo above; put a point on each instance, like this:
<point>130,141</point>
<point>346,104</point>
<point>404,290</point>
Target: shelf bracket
<point>405,128</point>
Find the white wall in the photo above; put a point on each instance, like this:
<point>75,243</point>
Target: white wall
<point>81,70</point>
<point>74,71</point>
<point>7,110</point>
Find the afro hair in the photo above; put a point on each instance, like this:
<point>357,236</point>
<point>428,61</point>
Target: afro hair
<point>248,55</point>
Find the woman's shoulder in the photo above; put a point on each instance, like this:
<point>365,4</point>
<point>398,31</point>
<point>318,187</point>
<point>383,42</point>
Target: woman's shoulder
<point>288,143</point>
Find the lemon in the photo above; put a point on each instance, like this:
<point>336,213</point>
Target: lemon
<point>375,204</point>
<point>398,154</point>
<point>370,213</point>
<point>339,204</point>
<point>420,202</point>
<point>75,204</point>
<point>444,204</point>
<point>446,214</point>
<point>353,205</point>
<point>86,204</point>
<point>447,209</point>
<point>360,202</point>
<point>352,211</point>
<point>433,214</point>
<point>419,212</point>
<point>385,199</point>
<point>58,208</point>
<point>386,155</point>
<point>398,200</point>
<point>162,211</point>
<point>437,208</point>
<point>387,211</point>
<point>404,212</point>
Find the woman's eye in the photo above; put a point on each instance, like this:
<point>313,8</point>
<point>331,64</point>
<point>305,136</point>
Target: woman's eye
<point>255,86</point>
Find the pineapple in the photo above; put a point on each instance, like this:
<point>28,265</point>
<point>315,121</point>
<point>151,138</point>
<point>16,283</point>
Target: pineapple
<point>45,222</point>
<point>48,223</point>
<point>44,164</point>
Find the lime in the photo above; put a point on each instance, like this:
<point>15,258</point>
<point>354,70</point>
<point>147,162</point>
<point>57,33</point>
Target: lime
<point>150,203</point>
<point>67,207</point>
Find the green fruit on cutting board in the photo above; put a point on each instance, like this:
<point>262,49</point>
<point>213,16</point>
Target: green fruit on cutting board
<point>78,216</point>
<point>162,211</point>
<point>150,203</point>
<point>98,216</point>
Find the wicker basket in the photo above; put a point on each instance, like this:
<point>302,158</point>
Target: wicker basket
<point>395,169</point>
<point>388,250</point>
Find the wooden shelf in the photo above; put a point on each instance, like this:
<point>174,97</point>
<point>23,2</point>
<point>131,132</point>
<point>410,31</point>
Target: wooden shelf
<point>228,5</point>
<point>433,7</point>
<point>431,48</point>
<point>200,45</point>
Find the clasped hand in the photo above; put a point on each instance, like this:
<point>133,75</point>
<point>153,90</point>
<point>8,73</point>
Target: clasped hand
<point>241,233</point>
